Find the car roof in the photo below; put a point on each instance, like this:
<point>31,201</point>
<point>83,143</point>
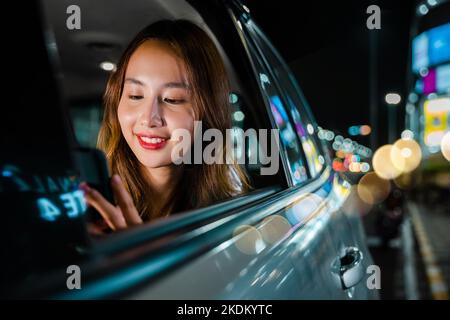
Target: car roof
<point>107,26</point>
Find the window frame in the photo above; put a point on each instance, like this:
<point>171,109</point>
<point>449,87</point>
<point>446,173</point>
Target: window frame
<point>323,149</point>
<point>259,54</point>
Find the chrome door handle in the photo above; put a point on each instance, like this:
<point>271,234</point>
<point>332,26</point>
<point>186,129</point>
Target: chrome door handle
<point>349,268</point>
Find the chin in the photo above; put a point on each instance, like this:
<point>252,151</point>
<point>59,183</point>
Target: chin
<point>155,163</point>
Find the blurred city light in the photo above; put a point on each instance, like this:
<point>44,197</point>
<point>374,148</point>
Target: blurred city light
<point>435,119</point>
<point>248,239</point>
<point>407,134</point>
<point>365,130</point>
<point>274,228</point>
<point>238,116</point>
<point>233,98</point>
<point>365,167</point>
<point>355,167</point>
<point>308,204</point>
<point>372,189</point>
<point>7,173</point>
<point>423,9</point>
<point>108,66</point>
<point>405,181</point>
<point>393,98</point>
<point>340,154</point>
<point>406,155</point>
<point>354,205</point>
<point>353,130</point>
<point>413,97</point>
<point>445,146</point>
<point>423,71</point>
<point>383,165</point>
<point>321,160</point>
<point>346,150</point>
<point>329,136</point>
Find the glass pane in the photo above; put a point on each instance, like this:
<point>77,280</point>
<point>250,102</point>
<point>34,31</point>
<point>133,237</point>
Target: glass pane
<point>289,139</point>
<point>304,124</point>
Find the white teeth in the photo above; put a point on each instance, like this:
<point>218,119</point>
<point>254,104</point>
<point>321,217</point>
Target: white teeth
<point>151,140</point>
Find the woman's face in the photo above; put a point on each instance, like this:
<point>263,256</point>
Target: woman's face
<point>155,101</point>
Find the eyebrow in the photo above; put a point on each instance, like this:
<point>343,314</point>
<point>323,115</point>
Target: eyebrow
<point>181,85</point>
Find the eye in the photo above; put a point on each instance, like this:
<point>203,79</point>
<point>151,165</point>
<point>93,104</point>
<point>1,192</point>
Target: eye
<point>135,97</point>
<point>174,101</point>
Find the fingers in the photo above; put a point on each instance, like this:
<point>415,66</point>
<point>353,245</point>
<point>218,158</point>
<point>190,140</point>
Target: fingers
<point>125,201</point>
<point>95,230</point>
<point>112,215</point>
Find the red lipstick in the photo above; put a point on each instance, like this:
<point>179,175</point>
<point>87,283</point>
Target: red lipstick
<point>151,142</point>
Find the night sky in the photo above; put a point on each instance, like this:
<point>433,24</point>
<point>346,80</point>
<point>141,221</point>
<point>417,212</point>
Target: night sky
<point>326,44</point>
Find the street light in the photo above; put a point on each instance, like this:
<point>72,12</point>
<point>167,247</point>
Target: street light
<point>392,99</point>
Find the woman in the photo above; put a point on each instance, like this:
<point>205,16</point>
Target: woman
<point>170,75</point>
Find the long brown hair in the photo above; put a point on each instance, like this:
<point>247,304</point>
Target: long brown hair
<point>200,185</point>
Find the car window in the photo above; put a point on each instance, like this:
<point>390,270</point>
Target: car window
<point>283,118</point>
<point>86,116</point>
<point>306,128</point>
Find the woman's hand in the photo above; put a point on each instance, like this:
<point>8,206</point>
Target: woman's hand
<point>117,217</point>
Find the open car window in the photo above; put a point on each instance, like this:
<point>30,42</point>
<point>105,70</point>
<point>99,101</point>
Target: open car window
<point>88,55</point>
<point>295,103</point>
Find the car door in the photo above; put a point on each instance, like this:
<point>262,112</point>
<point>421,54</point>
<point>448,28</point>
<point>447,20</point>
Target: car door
<point>347,230</point>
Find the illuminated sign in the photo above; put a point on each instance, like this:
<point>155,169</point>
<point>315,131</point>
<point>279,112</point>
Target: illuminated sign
<point>53,197</point>
<point>73,203</point>
<point>443,78</point>
<point>420,52</point>
<point>431,47</point>
<point>436,114</point>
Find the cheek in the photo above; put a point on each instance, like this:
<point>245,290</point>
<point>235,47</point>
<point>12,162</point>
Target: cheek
<point>126,118</point>
<point>181,120</point>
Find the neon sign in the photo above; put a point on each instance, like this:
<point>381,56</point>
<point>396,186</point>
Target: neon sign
<point>57,196</point>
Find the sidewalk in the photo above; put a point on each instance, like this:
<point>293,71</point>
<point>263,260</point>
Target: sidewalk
<point>432,231</point>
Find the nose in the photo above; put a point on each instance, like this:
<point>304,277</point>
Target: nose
<point>152,117</point>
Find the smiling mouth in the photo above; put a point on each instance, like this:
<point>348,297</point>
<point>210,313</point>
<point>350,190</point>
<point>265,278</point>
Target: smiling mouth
<point>151,142</point>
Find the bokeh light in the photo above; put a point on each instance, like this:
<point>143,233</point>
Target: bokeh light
<point>238,116</point>
<point>274,228</point>
<point>445,146</point>
<point>393,98</point>
<point>355,167</point>
<point>407,134</point>
<point>365,167</point>
<point>340,154</point>
<point>365,130</point>
<point>303,209</point>
<point>108,66</point>
<point>383,165</point>
<point>248,239</point>
<point>406,155</point>
<point>353,205</point>
<point>372,189</point>
<point>406,181</point>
